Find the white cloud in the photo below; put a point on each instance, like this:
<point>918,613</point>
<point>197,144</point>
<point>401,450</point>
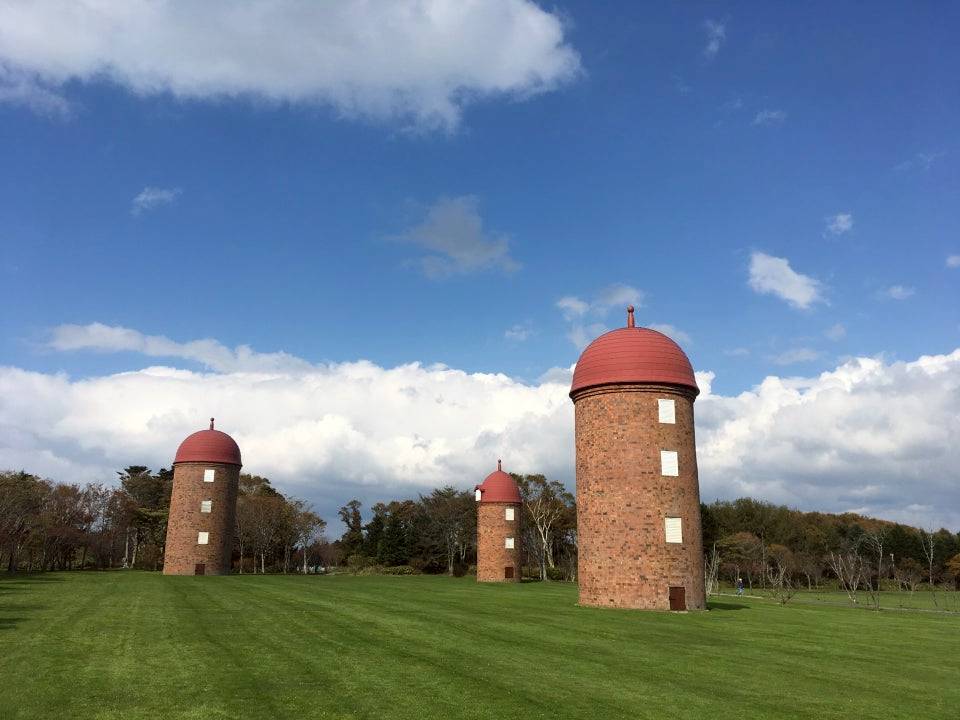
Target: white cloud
<point>572,306</point>
<point>769,117</point>
<point>870,434</point>
<point>152,197</point>
<point>618,295</point>
<point>819,442</point>
<point>454,234</point>
<point>840,223</point>
<point>406,59</point>
<point>796,355</point>
<point>208,353</point>
<point>716,35</point>
<point>18,88</point>
<point>737,352</point>
<point>771,275</point>
<point>921,161</point>
<point>670,331</point>
<point>953,261</point>
<point>836,332</point>
<point>899,292</point>
<point>519,332</point>
<point>580,332</point>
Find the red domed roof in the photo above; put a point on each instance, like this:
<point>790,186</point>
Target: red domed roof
<point>633,355</point>
<point>499,487</point>
<point>209,446</point>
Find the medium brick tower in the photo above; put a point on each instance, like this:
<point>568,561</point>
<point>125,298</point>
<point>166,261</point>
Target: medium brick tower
<point>203,506</point>
<point>638,497</point>
<point>498,528</point>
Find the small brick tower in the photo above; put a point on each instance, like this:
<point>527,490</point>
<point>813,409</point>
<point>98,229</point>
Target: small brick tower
<point>498,528</point>
<point>203,506</point>
<point>638,497</point>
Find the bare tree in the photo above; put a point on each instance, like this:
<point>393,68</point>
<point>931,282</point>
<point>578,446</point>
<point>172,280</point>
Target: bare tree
<point>546,503</point>
<point>848,567</point>
<point>780,566</point>
<point>711,570</point>
<point>928,543</point>
<point>308,526</point>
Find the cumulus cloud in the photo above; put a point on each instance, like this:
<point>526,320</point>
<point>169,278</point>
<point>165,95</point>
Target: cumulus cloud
<point>836,332</point>
<point>769,117</point>
<point>840,223</point>
<point>796,355</point>
<point>822,441</point>
<point>953,261</point>
<point>407,59</point>
<point>575,311</point>
<point>209,353</point>
<point>18,88</point>
<point>899,292</point>
<point>921,161</point>
<point>716,35</point>
<point>519,332</point>
<point>331,432</point>
<point>771,275</point>
<point>453,233</point>
<point>572,307</point>
<point>153,197</point>
<point>677,334</point>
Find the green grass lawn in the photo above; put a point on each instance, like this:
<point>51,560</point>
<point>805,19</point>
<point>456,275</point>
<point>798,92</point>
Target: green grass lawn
<point>140,645</point>
<point>940,600</point>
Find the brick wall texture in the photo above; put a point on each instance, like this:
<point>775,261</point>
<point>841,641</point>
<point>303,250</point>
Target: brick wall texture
<point>622,499</point>
<point>182,553</point>
<point>492,528</point>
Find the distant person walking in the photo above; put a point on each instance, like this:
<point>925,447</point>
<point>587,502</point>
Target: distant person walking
<point>739,586</point>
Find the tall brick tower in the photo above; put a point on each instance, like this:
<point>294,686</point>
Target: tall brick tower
<point>638,497</point>
<point>498,528</point>
<point>203,506</point>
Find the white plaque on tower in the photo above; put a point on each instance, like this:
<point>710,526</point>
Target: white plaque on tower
<point>674,530</point>
<point>667,410</point>
<point>669,465</point>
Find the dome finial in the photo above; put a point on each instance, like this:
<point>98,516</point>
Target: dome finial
<point>630,322</point>
<point>211,423</point>
<point>498,464</point>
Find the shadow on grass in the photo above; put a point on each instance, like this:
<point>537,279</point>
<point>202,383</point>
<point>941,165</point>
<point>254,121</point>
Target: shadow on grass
<point>8,622</point>
<point>714,605</point>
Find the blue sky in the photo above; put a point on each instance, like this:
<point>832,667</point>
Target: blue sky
<point>778,184</point>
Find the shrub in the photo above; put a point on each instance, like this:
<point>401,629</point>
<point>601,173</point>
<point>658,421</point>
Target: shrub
<point>400,570</point>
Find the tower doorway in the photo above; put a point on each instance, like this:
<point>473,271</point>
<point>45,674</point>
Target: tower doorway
<point>678,597</point>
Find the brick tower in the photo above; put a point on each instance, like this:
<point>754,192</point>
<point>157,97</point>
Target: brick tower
<point>498,528</point>
<point>638,497</point>
<point>203,506</point>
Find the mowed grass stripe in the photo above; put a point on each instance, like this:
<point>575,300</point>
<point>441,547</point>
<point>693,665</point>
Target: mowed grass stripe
<point>140,645</point>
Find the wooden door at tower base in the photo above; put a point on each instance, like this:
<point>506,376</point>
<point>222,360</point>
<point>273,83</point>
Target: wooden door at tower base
<point>508,573</point>
<point>199,569</point>
<point>678,597</point>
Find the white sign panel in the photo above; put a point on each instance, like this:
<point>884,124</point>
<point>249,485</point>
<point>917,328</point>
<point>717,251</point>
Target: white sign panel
<point>668,413</point>
<point>668,463</point>
<point>674,530</point>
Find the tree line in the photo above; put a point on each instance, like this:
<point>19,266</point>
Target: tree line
<point>777,548</point>
<point>437,532</point>
<point>46,525</point>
